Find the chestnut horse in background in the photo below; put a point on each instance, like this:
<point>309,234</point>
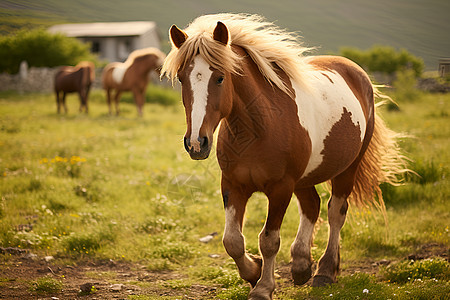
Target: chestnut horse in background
<point>288,122</point>
<point>74,79</point>
<point>132,75</point>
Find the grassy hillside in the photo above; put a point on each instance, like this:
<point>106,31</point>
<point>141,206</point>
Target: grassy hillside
<point>420,26</point>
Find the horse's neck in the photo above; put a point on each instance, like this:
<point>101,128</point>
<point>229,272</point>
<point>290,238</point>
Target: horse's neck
<point>251,107</point>
<point>256,102</point>
<point>143,66</point>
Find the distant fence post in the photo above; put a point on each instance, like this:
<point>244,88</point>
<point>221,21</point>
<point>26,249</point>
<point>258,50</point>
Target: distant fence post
<point>23,75</point>
<point>23,70</point>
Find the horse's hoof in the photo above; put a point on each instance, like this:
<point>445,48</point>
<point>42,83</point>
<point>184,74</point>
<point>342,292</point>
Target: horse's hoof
<point>302,277</point>
<point>321,280</point>
<point>258,261</point>
<point>260,295</point>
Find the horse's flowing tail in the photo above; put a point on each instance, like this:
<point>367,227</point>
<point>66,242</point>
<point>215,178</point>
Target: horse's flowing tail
<point>382,162</point>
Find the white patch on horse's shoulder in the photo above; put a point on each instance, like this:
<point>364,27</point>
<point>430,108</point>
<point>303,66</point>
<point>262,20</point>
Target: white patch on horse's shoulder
<point>118,73</point>
<point>199,79</point>
<point>320,109</point>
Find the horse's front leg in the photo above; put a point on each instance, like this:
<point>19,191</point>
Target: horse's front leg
<point>58,102</point>
<point>139,98</point>
<point>64,102</point>
<point>233,240</point>
<point>269,239</point>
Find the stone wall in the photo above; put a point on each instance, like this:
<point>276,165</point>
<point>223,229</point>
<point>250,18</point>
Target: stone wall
<point>433,85</point>
<point>35,80</point>
<point>42,80</point>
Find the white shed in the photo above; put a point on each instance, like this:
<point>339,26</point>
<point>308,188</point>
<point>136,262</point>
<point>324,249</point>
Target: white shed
<point>444,67</point>
<point>112,41</point>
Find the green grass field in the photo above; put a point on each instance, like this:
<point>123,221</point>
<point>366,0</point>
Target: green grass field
<point>96,187</point>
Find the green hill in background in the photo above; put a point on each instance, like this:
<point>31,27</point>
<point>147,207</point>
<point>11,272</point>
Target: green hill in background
<point>420,26</point>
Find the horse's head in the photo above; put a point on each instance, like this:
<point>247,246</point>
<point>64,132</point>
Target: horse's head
<point>206,92</point>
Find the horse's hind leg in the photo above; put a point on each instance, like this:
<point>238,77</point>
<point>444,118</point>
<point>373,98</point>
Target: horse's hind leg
<point>233,240</point>
<point>108,100</point>
<point>81,95</point>
<point>86,106</point>
<point>328,266</point>
<point>116,101</point>
<point>86,99</point>
<point>83,99</point>
<point>309,206</point>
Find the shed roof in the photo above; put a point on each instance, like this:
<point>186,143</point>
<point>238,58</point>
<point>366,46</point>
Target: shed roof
<point>104,29</point>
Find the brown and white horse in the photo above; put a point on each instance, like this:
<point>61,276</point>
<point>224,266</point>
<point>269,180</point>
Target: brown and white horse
<point>132,75</point>
<point>288,122</point>
<point>74,79</point>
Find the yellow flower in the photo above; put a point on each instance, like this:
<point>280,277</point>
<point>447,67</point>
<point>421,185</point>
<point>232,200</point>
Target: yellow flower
<point>74,159</point>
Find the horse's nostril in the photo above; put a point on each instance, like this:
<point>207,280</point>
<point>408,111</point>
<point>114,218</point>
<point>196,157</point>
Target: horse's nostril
<point>203,142</point>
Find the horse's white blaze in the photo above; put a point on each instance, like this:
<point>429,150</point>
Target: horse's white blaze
<point>199,79</point>
<point>320,109</point>
<point>118,73</point>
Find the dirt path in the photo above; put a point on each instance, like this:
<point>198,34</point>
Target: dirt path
<point>111,280</point>
<point>118,280</point>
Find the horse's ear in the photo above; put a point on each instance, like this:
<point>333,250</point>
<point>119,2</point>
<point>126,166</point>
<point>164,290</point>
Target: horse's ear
<point>177,36</point>
<point>221,33</point>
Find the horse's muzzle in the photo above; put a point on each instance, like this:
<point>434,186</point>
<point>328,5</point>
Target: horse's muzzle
<point>202,152</point>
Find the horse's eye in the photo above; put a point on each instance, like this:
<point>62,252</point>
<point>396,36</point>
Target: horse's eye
<point>220,80</point>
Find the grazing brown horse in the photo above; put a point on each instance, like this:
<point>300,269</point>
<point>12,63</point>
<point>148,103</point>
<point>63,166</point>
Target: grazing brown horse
<point>132,75</point>
<point>288,122</point>
<point>74,79</point>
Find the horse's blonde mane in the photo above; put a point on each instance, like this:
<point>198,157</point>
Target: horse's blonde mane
<point>268,45</point>
<point>142,52</point>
